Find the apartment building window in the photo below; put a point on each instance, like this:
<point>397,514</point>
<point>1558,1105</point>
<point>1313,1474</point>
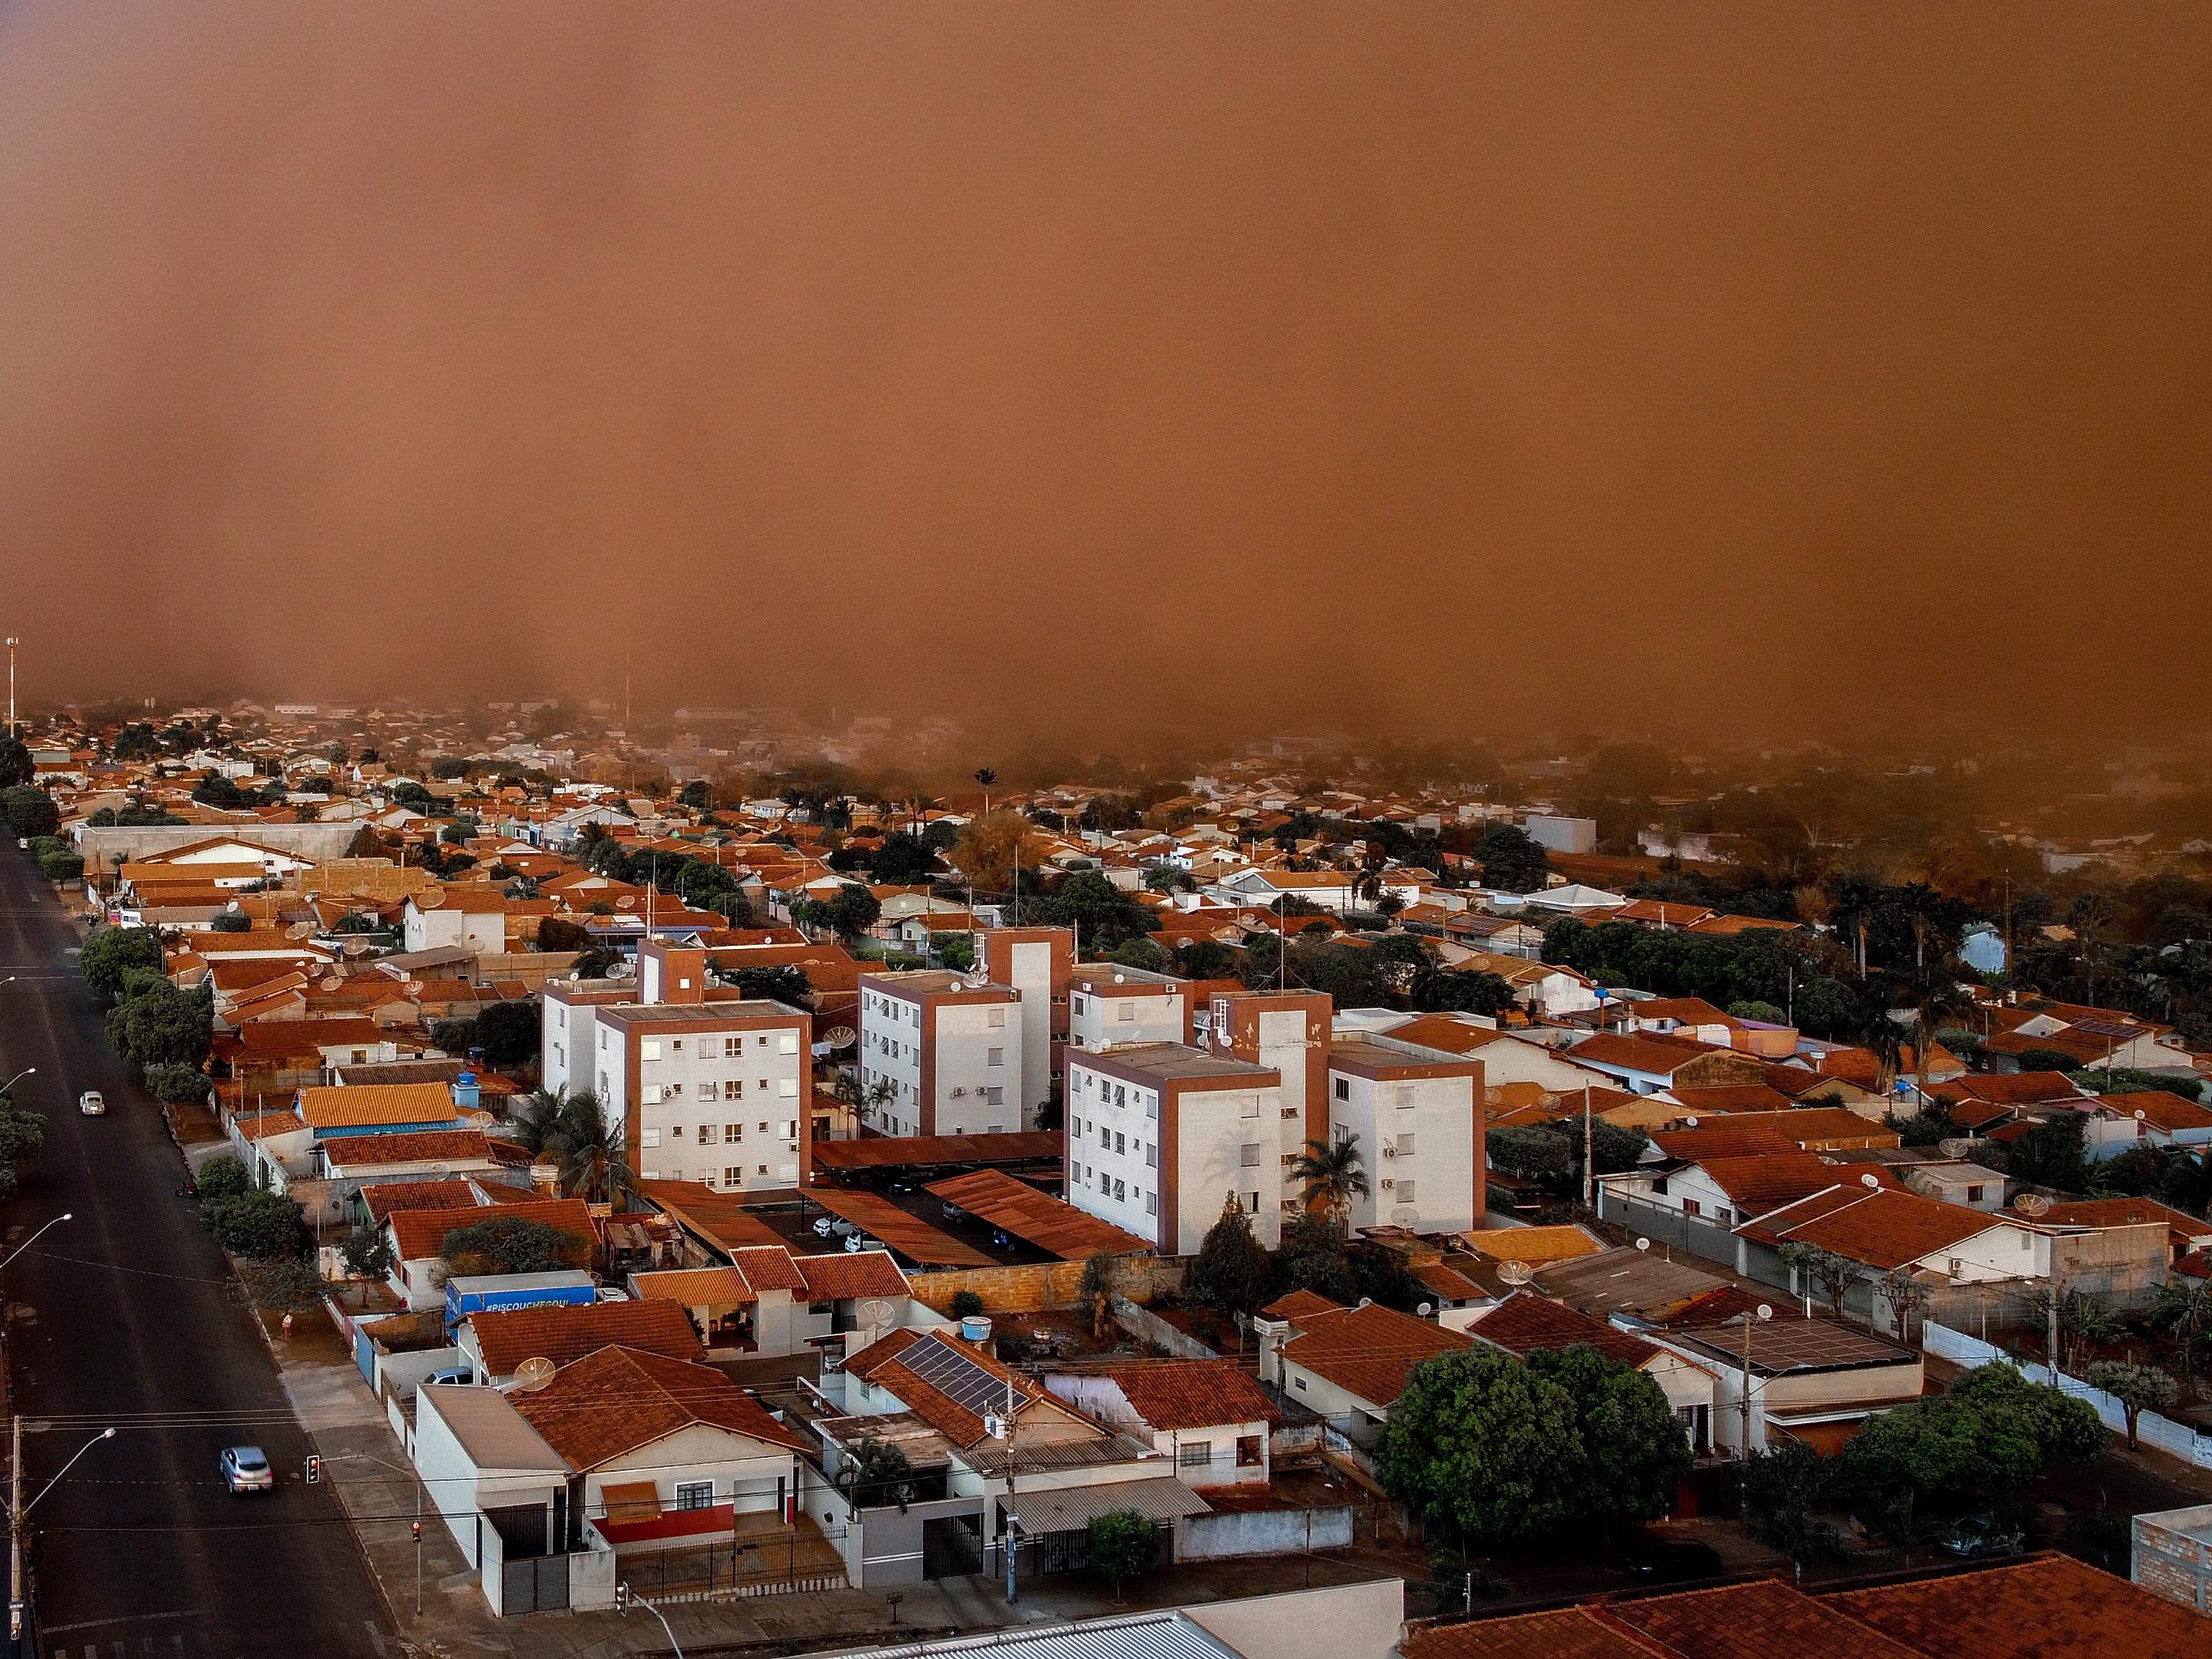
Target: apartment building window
<point>649,1049</point>
<point>1120,1094</point>
<point>1105,1136</point>
<point>1344,1088</point>
<point>674,1089</point>
<point>734,1175</point>
<point>710,1090</point>
<point>1405,1192</point>
<point>786,1088</point>
<point>1151,1157</point>
<point>1405,1145</point>
<point>994,1057</point>
<point>1125,1013</point>
<point>787,1043</point>
<point>732,1133</point>
<point>652,1094</point>
<point>732,1047</point>
<point>1151,1203</point>
<point>649,1138</point>
<point>1120,1191</point>
<point>996,1018</point>
<point>1691,1206</point>
<point>735,1088</point>
<point>706,1134</point>
<point>763,1168</point>
<point>1121,1144</point>
<point>1195,1456</point>
<point>996,1095</point>
<point>791,1128</point>
<point>1151,1105</point>
<point>1252,1106</point>
<point>676,1045</point>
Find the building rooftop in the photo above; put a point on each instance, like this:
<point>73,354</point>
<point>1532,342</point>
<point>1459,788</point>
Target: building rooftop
<point>1174,1062</point>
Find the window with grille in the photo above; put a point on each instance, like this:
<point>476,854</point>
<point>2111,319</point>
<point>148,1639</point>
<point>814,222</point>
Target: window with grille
<point>695,1494</point>
<point>1344,1088</point>
<point>1197,1456</point>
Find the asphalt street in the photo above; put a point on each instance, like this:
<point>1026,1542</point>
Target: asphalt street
<point>127,1315</point>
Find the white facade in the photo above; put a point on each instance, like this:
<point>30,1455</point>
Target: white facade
<point>1125,1005</point>
<point>722,1106</point>
<point>1418,1136</point>
<point>954,1063</point>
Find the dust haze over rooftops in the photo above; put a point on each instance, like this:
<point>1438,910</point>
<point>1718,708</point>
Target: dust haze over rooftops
<point>1402,364</point>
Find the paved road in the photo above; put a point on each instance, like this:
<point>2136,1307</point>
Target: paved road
<point>126,1314</point>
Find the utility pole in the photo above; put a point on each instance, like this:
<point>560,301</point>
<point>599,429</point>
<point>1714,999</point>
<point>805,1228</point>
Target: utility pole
<point>1589,1162</point>
<point>16,1509</point>
<point>11,685</point>
<point>2051,1333</point>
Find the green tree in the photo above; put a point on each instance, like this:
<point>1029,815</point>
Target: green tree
<point>30,812</point>
<point>1449,991</point>
<point>22,1134</point>
<point>1123,1544</point>
<point>1480,1441</point>
<point>1783,1486</point>
<point>903,860</point>
<point>1634,1451</point>
<point>512,1244</point>
<point>2183,1307</point>
<point>1231,1271</point>
<point>510,1032</point>
<point>1764,1013</point>
<point>15,766</point>
<point>1313,1256</point>
<point>874,1472</point>
<point>219,792</point>
<point>266,1226</point>
<point>1332,1175</point>
<point>1976,1447</point>
<point>59,863</point>
<point>787,984</point>
<point>698,795</point>
<point>965,1304</point>
<point>2050,1155</point>
<point>177,1085</point>
<point>1511,861</point>
<point>232,921</point>
<point>367,1252</point>
<point>163,1025</point>
<point>1101,1281</point>
<point>1834,1275</point>
<point>223,1177</point>
<point>2138,1388</point>
<point>107,956</point>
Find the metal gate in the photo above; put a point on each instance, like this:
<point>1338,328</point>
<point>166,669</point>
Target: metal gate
<point>951,1546</point>
<point>538,1584</point>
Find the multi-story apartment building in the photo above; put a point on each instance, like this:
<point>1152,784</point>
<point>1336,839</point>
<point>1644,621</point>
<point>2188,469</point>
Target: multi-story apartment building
<point>1417,1115</point>
<point>1159,1132</point>
<point>948,1046</point>
<point>1288,1032</point>
<point>1109,1006</point>
<point>707,1085</point>
<point>1036,963</point>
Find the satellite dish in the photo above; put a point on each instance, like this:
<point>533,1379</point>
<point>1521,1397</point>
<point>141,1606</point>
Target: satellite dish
<point>533,1374</point>
<point>1425,1308</point>
<point>1516,1273</point>
<point>1405,1215</point>
<point>2032,1204</point>
<point>876,1311</point>
<point>1643,1244</point>
<point>1765,1312</point>
<point>1956,1147</point>
<point>1869,1179</point>
<point>840,1037</point>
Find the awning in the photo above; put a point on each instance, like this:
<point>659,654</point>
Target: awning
<point>638,1500</point>
<point>1070,1509</point>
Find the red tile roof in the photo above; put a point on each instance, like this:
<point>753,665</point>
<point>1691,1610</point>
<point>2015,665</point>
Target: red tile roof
<point>618,1399</point>
<point>564,1333</point>
<point>1193,1394</point>
<point>1368,1351</point>
<point>382,1198</point>
<point>418,1147</point>
<point>1759,1181</point>
<point>1526,1322</point>
<point>846,1275</point>
<point>1885,1228</point>
<point>2047,1607</point>
<point>417,1234</point>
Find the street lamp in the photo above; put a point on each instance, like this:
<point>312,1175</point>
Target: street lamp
<point>625,1596</point>
<point>26,1244</point>
<point>17,1509</point>
<point>26,1072</point>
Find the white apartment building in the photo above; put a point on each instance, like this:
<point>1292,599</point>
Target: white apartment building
<point>1157,1134</point>
<point>1108,1005</point>
<point>950,1048</point>
<point>1036,963</point>
<point>1417,1114</point>
<point>714,1089</point>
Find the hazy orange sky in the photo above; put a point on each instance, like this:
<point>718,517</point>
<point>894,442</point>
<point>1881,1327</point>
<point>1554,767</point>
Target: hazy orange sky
<point>1435,364</point>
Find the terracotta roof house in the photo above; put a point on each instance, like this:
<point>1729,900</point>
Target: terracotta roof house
<point>1209,1415</point>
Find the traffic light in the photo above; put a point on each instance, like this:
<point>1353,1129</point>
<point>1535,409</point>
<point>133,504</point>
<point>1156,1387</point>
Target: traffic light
<point>314,1469</point>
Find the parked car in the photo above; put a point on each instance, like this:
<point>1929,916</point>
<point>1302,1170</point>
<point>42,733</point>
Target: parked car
<point>91,1103</point>
<point>451,1374</point>
<point>1978,1536</point>
<point>1671,1560</point>
<point>245,1468</point>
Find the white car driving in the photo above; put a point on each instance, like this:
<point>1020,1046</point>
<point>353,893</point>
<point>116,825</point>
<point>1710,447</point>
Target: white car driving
<point>91,1103</point>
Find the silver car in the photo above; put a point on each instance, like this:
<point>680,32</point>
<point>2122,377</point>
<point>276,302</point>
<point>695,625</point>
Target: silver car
<point>245,1468</point>
<point>91,1103</point>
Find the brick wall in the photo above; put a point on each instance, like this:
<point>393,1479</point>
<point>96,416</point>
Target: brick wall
<point>1042,1284</point>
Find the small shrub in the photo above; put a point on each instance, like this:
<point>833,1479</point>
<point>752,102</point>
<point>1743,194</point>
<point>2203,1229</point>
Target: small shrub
<point>966,1304</point>
<point>223,1177</point>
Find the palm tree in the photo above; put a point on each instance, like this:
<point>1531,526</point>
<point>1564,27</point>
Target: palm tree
<point>592,1165</point>
<point>2183,1307</point>
<point>875,1472</point>
<point>1333,1176</point>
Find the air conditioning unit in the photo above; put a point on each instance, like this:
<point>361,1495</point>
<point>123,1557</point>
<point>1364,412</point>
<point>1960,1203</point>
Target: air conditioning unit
<point>1388,1183</point>
<point>958,1093</point>
<point>1390,1152</point>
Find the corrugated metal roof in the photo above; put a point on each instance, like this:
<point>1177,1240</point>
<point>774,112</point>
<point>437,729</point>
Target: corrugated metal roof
<point>1047,1222</point>
<point>1070,1509</point>
<point>1142,1635</point>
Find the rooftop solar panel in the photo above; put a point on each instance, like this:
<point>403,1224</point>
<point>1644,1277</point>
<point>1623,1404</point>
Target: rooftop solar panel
<point>957,1377</point>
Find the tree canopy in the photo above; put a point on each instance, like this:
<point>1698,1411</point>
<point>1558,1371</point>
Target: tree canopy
<point>107,956</point>
<point>30,810</point>
<point>512,1244</point>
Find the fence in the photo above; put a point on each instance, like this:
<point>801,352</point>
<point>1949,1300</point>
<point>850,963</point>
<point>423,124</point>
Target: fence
<point>1148,1326</point>
<point>1669,1228</point>
<point>1043,1284</point>
<point>2175,1439</point>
